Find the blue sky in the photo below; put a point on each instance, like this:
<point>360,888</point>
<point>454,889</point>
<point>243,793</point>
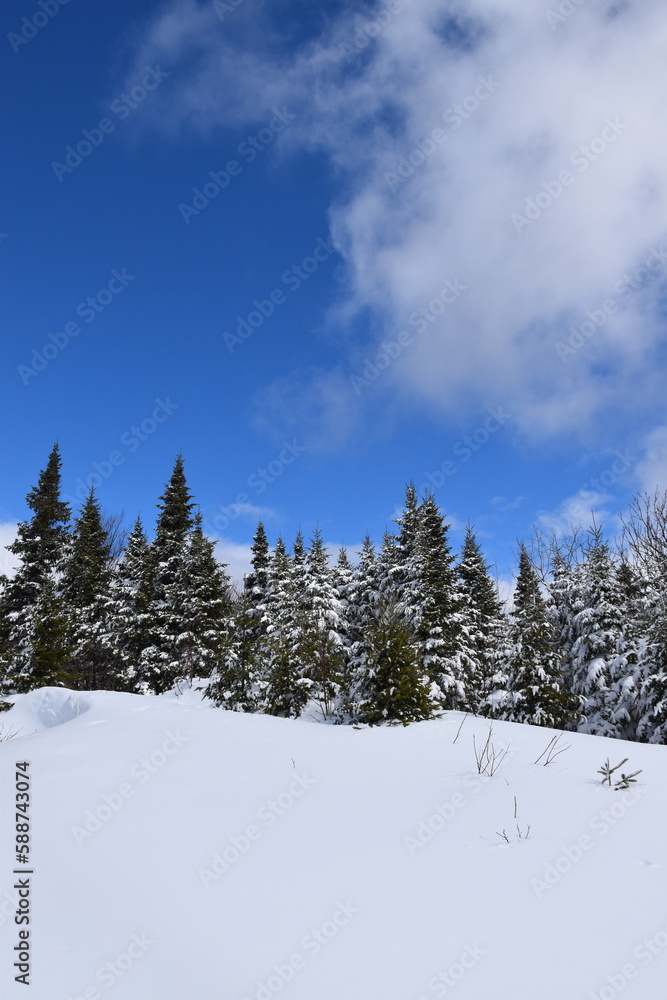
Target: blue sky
<point>324,249</point>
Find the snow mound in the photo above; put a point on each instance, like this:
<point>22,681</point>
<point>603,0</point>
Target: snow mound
<point>55,706</point>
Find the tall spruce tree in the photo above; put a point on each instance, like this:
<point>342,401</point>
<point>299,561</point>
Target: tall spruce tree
<point>484,628</point>
<point>535,683</point>
<point>650,627</point>
<point>37,651</point>
<point>257,582</point>
<point>89,599</point>
<point>598,663</point>
<point>238,683</point>
<point>163,662</point>
<point>133,589</point>
<point>326,628</point>
<point>45,656</point>
<point>256,585</point>
<point>438,616</point>
<point>362,599</point>
<point>405,566</point>
<point>389,685</point>
<point>565,602</point>
<point>41,543</point>
<point>205,610</point>
<point>653,723</point>
<point>289,640</point>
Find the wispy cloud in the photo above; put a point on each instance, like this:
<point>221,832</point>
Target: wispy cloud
<point>237,558</point>
<point>576,511</point>
<point>565,137</point>
<point>8,562</point>
<point>651,469</point>
<point>504,505</point>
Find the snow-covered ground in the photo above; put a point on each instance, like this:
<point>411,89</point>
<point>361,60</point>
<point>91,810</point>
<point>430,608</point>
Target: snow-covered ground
<point>185,853</point>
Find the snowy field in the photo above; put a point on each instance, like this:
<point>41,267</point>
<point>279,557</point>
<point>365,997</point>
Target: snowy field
<point>179,852</point>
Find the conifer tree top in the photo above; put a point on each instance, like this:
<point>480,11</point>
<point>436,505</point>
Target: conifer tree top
<point>175,506</point>
<point>40,542</point>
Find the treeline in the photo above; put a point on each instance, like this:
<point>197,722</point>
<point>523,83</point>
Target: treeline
<point>408,631</point>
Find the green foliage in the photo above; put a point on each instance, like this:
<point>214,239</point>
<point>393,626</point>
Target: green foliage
<point>536,693</point>
<point>391,687</point>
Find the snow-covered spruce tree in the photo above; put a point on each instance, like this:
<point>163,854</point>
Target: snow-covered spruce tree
<point>386,567</point>
<point>645,534</point>
<point>653,723</point>
<point>362,594</point>
<point>627,671</point>
<point>239,679</point>
<point>389,685</point>
<point>326,629</point>
<point>288,639</point>
<point>133,588</point>
<point>237,682</point>
<point>438,611</point>
<point>40,543</point>
<point>344,584</point>
<point>564,603</point>
<point>535,690</point>
<point>205,610</point>
<point>89,599</point>
<point>45,656</point>
<point>257,582</point>
<point>598,660</point>
<point>32,593</point>
<point>651,623</point>
<point>343,575</point>
<point>162,662</point>
<point>404,568</point>
<point>484,627</point>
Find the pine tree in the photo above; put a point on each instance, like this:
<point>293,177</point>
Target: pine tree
<point>238,682</point>
<point>133,587</point>
<point>256,585</point>
<point>362,594</point>
<point>288,640</point>
<point>326,627</point>
<point>404,568</point>
<point>652,657</point>
<point>387,569</point>
<point>41,542</point>
<point>484,627</point>
<point>626,671</point>
<point>40,545</point>
<point>535,694</point>
<point>257,582</point>
<point>565,602</point>
<point>87,593</point>
<point>46,657</point>
<point>205,608</point>
<point>438,610</point>
<point>163,662</point>
<point>343,574</point>
<point>645,533</point>
<point>598,663</point>
<point>389,684</point>
<point>343,579</point>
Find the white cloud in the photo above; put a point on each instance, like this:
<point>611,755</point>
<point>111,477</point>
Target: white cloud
<point>583,96</point>
<point>8,562</point>
<point>506,586</point>
<point>578,510</point>
<point>504,505</point>
<point>237,558</point>
<point>651,469</point>
<point>253,510</point>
